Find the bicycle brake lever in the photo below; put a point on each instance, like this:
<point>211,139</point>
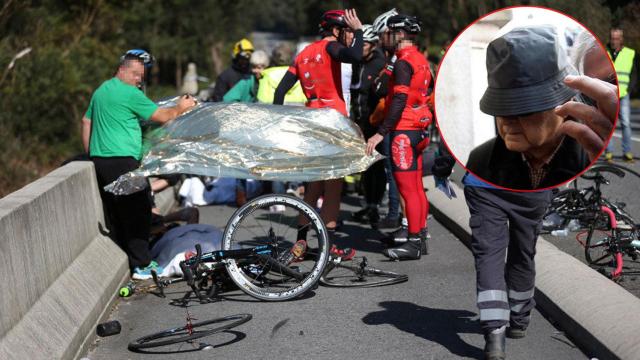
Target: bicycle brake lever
<point>198,253</point>
<point>186,272</point>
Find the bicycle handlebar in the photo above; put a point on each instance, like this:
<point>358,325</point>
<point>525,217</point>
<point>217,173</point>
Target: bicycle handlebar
<point>186,271</point>
<point>198,253</point>
<point>602,168</point>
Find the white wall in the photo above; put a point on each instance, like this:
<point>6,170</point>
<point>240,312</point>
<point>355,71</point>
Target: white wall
<point>461,82</point>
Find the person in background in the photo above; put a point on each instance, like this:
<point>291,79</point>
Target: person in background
<point>246,89</point>
<point>112,137</point>
<point>346,69</point>
<point>281,58</point>
<point>625,62</point>
<point>239,69</point>
<point>407,116</point>
<point>392,220</point>
<point>363,102</point>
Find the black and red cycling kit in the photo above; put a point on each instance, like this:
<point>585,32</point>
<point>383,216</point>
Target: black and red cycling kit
<point>318,69</point>
<point>406,119</point>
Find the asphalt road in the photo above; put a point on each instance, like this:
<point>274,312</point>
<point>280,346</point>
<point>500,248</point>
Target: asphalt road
<point>432,316</point>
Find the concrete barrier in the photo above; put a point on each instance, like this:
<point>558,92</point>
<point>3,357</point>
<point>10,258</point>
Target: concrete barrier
<point>59,273</point>
<point>598,315</point>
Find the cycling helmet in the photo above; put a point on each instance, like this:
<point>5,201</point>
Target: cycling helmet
<point>368,33</point>
<point>380,23</point>
<point>144,56</point>
<point>409,24</point>
<point>332,18</point>
<point>243,48</point>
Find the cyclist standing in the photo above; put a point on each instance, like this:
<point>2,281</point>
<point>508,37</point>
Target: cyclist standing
<point>363,102</point>
<point>318,69</point>
<point>407,117</point>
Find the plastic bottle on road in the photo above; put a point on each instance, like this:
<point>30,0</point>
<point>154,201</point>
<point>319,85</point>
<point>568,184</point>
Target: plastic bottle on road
<point>561,232</point>
<point>127,290</point>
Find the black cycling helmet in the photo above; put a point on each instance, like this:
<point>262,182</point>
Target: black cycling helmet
<point>144,56</point>
<point>332,18</point>
<point>407,23</point>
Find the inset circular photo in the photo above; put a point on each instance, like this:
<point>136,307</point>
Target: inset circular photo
<point>526,98</point>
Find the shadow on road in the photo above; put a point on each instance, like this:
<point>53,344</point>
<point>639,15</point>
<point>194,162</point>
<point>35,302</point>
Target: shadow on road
<point>442,326</point>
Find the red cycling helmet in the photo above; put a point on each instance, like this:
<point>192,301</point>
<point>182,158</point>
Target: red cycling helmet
<point>332,18</point>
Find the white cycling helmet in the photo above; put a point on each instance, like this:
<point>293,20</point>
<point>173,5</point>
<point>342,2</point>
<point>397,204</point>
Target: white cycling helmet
<point>368,34</point>
<point>380,23</point>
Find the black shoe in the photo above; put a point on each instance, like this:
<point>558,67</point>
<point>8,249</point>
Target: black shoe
<point>516,332</point>
<point>398,236</point>
<point>424,241</point>
<point>374,218</point>
<point>494,347</point>
<point>362,216</point>
<point>389,223</point>
<point>411,250</point>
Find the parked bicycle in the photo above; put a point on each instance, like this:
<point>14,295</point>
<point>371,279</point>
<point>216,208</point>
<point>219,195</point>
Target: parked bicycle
<point>576,207</point>
<point>611,232</point>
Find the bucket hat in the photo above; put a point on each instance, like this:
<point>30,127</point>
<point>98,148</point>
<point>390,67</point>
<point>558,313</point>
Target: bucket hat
<point>525,70</point>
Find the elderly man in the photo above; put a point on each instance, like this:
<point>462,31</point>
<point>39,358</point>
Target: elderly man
<point>526,68</point>
<point>537,139</point>
<point>112,137</point>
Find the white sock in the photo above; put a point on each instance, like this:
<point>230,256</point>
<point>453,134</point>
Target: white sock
<point>405,222</point>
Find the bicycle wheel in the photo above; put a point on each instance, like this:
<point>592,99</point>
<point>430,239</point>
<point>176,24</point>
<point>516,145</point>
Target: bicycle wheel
<point>273,220</point>
<point>597,247</point>
<point>356,273</point>
<point>188,333</point>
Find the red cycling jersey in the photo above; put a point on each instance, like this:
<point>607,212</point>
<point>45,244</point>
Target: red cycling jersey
<point>319,76</point>
<point>416,114</point>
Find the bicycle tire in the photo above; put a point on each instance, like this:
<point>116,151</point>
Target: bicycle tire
<point>181,333</point>
<point>597,248</point>
<point>350,274</point>
<point>263,277</point>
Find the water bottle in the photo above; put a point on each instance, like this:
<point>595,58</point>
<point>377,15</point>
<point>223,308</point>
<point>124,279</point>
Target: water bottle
<point>108,328</point>
<point>127,290</point>
<point>561,232</point>
<point>574,225</point>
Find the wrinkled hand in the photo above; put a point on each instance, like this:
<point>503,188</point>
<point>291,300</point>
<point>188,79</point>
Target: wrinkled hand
<point>351,18</point>
<point>597,121</point>
<point>373,142</point>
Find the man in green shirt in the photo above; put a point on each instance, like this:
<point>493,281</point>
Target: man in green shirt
<point>112,137</point>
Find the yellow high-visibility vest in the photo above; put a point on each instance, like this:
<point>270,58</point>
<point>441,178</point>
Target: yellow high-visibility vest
<point>267,85</point>
<point>623,65</point>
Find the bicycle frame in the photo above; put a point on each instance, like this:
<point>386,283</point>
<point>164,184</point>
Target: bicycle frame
<point>191,266</point>
<point>623,233</point>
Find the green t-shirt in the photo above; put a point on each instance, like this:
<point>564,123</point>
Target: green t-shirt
<point>115,110</point>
